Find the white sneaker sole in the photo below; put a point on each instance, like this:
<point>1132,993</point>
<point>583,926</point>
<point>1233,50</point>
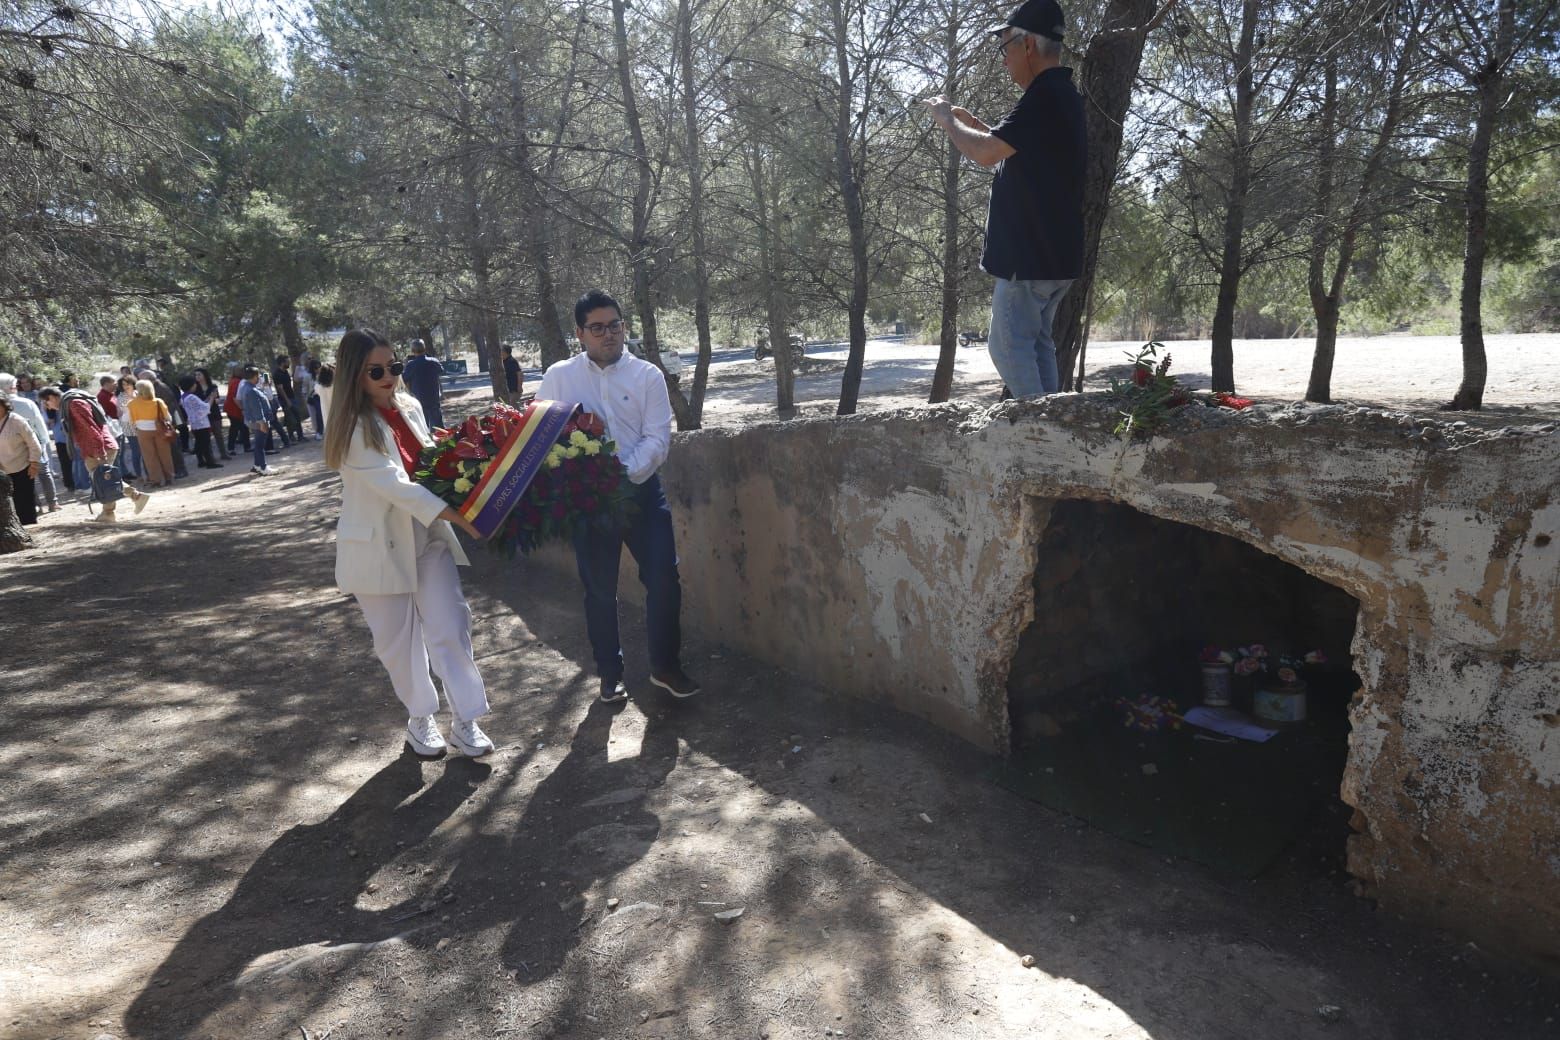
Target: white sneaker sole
<point>470,750</point>
<point>667,687</point>
<point>424,750</point>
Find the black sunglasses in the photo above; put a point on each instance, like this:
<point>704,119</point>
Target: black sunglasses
<point>377,372</point>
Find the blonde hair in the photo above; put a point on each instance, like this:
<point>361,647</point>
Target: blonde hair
<point>349,402</point>
<point>143,390</point>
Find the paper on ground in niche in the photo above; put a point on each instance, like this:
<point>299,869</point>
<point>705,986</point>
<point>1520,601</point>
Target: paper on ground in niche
<point>1229,722</point>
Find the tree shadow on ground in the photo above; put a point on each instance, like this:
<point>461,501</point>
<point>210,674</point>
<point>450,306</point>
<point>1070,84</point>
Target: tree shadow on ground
<point>183,737</point>
<point>286,897</point>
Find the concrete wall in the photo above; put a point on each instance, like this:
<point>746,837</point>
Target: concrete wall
<point>893,556</point>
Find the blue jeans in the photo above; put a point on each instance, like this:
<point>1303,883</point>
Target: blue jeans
<point>259,440</point>
<point>1020,342</point>
<point>598,554</point>
<point>130,456</point>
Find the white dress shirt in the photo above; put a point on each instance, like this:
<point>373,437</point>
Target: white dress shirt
<point>631,399</point>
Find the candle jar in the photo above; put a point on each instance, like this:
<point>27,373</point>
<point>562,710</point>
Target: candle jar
<point>1216,684</point>
<point>1280,704</point>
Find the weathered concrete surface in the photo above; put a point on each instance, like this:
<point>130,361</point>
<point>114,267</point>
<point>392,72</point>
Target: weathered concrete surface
<point>892,557</point>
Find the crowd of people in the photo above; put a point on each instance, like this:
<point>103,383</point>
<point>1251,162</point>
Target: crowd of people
<point>120,436</point>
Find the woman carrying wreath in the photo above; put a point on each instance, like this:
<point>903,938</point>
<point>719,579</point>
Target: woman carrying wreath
<point>395,550</point>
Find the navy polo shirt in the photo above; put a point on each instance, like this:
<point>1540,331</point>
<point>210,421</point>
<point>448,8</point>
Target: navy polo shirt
<point>1034,228</point>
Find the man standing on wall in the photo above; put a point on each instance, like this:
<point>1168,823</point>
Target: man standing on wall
<point>629,395</point>
<point>1034,226</point>
<point>424,377</point>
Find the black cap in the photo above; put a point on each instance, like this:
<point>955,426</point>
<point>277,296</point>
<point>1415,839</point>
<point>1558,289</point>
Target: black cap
<point>1041,17</point>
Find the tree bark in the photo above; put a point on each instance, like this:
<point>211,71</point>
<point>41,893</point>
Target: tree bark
<point>1231,261</point>
<point>855,216</point>
<point>695,158</point>
<point>639,245</point>
<point>1327,299</point>
<point>774,293</point>
<point>550,331</point>
<point>1110,68</point>
<point>948,342</point>
<point>13,536</point>
<point>1490,81</point>
<point>292,335</point>
<point>1319,389</point>
<point>484,316</point>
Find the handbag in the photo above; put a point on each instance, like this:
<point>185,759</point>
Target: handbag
<point>165,429</point>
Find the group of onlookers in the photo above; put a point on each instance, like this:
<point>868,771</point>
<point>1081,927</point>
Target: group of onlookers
<point>142,423</point>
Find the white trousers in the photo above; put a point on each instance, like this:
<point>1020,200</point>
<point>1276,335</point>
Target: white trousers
<point>429,626</point>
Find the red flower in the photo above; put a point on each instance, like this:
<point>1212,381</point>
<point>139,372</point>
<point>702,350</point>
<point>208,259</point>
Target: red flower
<point>1141,374</point>
<point>471,448</point>
<point>591,423</point>
<point>447,467</point>
<point>559,511</point>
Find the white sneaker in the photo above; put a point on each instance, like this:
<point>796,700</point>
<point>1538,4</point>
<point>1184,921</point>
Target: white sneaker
<point>260,471</point>
<point>468,738</point>
<point>140,502</point>
<point>422,733</point>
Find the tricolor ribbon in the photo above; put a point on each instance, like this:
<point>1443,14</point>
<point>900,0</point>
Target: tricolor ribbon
<point>518,461</point>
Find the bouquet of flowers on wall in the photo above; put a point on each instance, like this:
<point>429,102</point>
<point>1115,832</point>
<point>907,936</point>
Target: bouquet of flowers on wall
<point>525,477</point>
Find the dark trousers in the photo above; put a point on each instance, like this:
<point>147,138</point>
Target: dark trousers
<point>650,540</point>
<point>67,472</point>
<point>238,434</point>
<point>203,455</point>
<point>22,495</point>
<point>290,415</point>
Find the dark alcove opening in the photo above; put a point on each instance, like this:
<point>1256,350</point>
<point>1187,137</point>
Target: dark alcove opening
<point>1124,605</point>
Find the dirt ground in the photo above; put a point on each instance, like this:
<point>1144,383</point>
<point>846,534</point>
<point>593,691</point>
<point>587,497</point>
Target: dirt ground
<point>208,829</point>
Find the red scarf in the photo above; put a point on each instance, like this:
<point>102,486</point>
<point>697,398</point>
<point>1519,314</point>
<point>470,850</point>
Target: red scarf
<point>406,442</point>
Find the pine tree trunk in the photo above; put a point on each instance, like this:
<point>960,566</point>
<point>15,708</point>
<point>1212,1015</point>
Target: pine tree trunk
<point>1324,306</point>
<point>1476,369</point>
<point>948,342</point>
<point>1110,68</point>
<point>13,536</point>
<point>292,335</point>
<point>1231,268</point>
<point>855,217</point>
<point>639,245</point>
<point>701,284</point>
<point>774,294</point>
<point>538,224</point>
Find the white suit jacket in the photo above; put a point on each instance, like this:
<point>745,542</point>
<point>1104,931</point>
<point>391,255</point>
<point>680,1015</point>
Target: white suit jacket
<point>376,551</point>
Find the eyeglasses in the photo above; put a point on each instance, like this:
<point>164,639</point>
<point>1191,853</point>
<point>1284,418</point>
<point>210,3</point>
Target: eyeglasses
<point>1003,44</point>
<point>377,372</point>
<point>601,328</point>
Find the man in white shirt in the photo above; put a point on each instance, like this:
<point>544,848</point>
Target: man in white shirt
<point>629,394</point>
